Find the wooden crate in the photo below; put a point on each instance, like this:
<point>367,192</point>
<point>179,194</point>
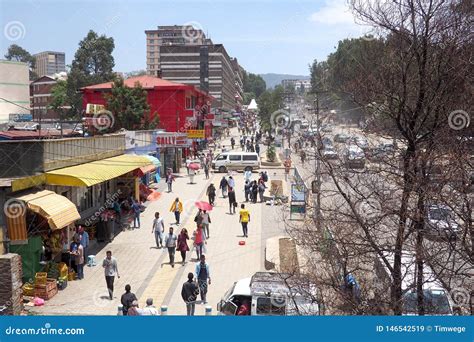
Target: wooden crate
<point>50,285</point>
<point>41,278</point>
<point>46,295</point>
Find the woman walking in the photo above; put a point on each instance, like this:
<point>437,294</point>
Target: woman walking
<point>211,193</point>
<point>182,245</point>
<point>254,191</point>
<point>199,240</point>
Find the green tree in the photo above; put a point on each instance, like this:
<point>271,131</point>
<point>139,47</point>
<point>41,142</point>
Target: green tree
<point>253,84</point>
<point>59,97</point>
<point>130,107</point>
<point>17,53</point>
<point>268,103</point>
<point>93,63</point>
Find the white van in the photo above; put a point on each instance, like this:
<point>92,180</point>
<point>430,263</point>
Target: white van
<point>437,300</point>
<point>270,295</point>
<point>236,161</point>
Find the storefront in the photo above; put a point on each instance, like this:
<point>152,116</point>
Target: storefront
<point>40,226</point>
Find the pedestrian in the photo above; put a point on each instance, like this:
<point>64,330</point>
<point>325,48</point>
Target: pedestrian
<point>257,148</point>
<point>232,142</point>
<point>84,238</point>
<point>199,241</point>
<point>223,186</point>
<point>265,176</point>
<point>206,220</point>
<point>189,293</point>
<point>247,188</point>
<point>247,175</point>
<point>136,213</point>
<point>72,252</point>
<point>244,219</point>
<point>206,169</point>
<point>204,277</point>
<point>79,258</point>
<point>192,172</point>
<point>182,245</point>
<point>127,299</point>
<point>231,182</point>
<point>242,143</point>
<point>232,201</point>
<point>177,209</point>
<point>302,156</point>
<point>111,270</point>
<point>149,309</point>
<point>133,310</point>
<point>261,190</point>
<point>198,218</point>
<point>254,191</point>
<point>170,243</point>
<point>169,180</point>
<point>211,193</point>
<point>158,228</point>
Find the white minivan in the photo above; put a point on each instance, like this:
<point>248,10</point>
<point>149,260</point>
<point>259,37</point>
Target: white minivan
<point>236,161</point>
<point>269,294</point>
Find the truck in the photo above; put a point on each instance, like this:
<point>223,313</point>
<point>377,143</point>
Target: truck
<point>270,294</point>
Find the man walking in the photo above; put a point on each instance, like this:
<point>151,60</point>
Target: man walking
<point>223,185</point>
<point>177,209</point>
<point>111,270</point>
<point>204,277</point>
<point>169,180</point>
<point>189,294</point>
<point>136,211</point>
<point>158,228</point>
<point>244,219</point>
<point>170,243</point>
<point>79,258</point>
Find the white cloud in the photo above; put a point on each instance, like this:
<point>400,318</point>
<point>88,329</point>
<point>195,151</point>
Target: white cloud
<point>334,12</point>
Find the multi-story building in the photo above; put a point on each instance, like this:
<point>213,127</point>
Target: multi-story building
<point>170,36</point>
<point>41,97</point>
<point>207,67</point>
<point>14,90</point>
<point>49,63</point>
<point>298,85</point>
<point>239,84</point>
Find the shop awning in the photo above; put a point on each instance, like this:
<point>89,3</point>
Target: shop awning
<point>96,172</point>
<point>140,172</point>
<point>154,160</point>
<point>57,209</point>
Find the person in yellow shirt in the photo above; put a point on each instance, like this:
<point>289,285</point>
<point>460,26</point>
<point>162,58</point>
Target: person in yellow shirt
<point>244,219</point>
<point>177,209</point>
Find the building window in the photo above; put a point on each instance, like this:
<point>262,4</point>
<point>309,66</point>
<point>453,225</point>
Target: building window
<point>152,66</point>
<point>151,41</point>
<point>188,103</point>
<point>152,47</point>
<point>152,54</point>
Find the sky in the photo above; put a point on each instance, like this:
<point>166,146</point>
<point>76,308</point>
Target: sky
<point>266,36</point>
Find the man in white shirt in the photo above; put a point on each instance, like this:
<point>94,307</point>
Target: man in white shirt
<point>158,229</point>
<point>170,243</point>
<point>149,309</point>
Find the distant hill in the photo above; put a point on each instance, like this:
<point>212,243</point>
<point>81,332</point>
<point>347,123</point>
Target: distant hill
<point>275,79</point>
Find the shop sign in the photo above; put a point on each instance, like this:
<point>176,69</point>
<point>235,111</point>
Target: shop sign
<point>196,134</point>
<point>172,140</point>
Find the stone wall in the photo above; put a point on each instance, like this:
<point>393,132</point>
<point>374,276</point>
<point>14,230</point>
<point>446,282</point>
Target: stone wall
<point>11,295</point>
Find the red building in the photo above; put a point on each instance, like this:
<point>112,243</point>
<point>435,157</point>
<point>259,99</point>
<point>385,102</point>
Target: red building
<point>179,106</point>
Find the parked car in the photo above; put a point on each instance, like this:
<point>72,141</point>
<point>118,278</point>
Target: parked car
<point>354,157</point>
<point>326,128</point>
<point>359,141</point>
<point>437,300</point>
<point>341,138</point>
<point>440,222</point>
<point>269,294</point>
<point>237,161</point>
<point>329,153</point>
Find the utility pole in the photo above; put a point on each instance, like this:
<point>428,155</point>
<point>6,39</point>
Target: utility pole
<point>318,167</point>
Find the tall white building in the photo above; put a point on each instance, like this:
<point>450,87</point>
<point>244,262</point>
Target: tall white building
<point>14,89</point>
